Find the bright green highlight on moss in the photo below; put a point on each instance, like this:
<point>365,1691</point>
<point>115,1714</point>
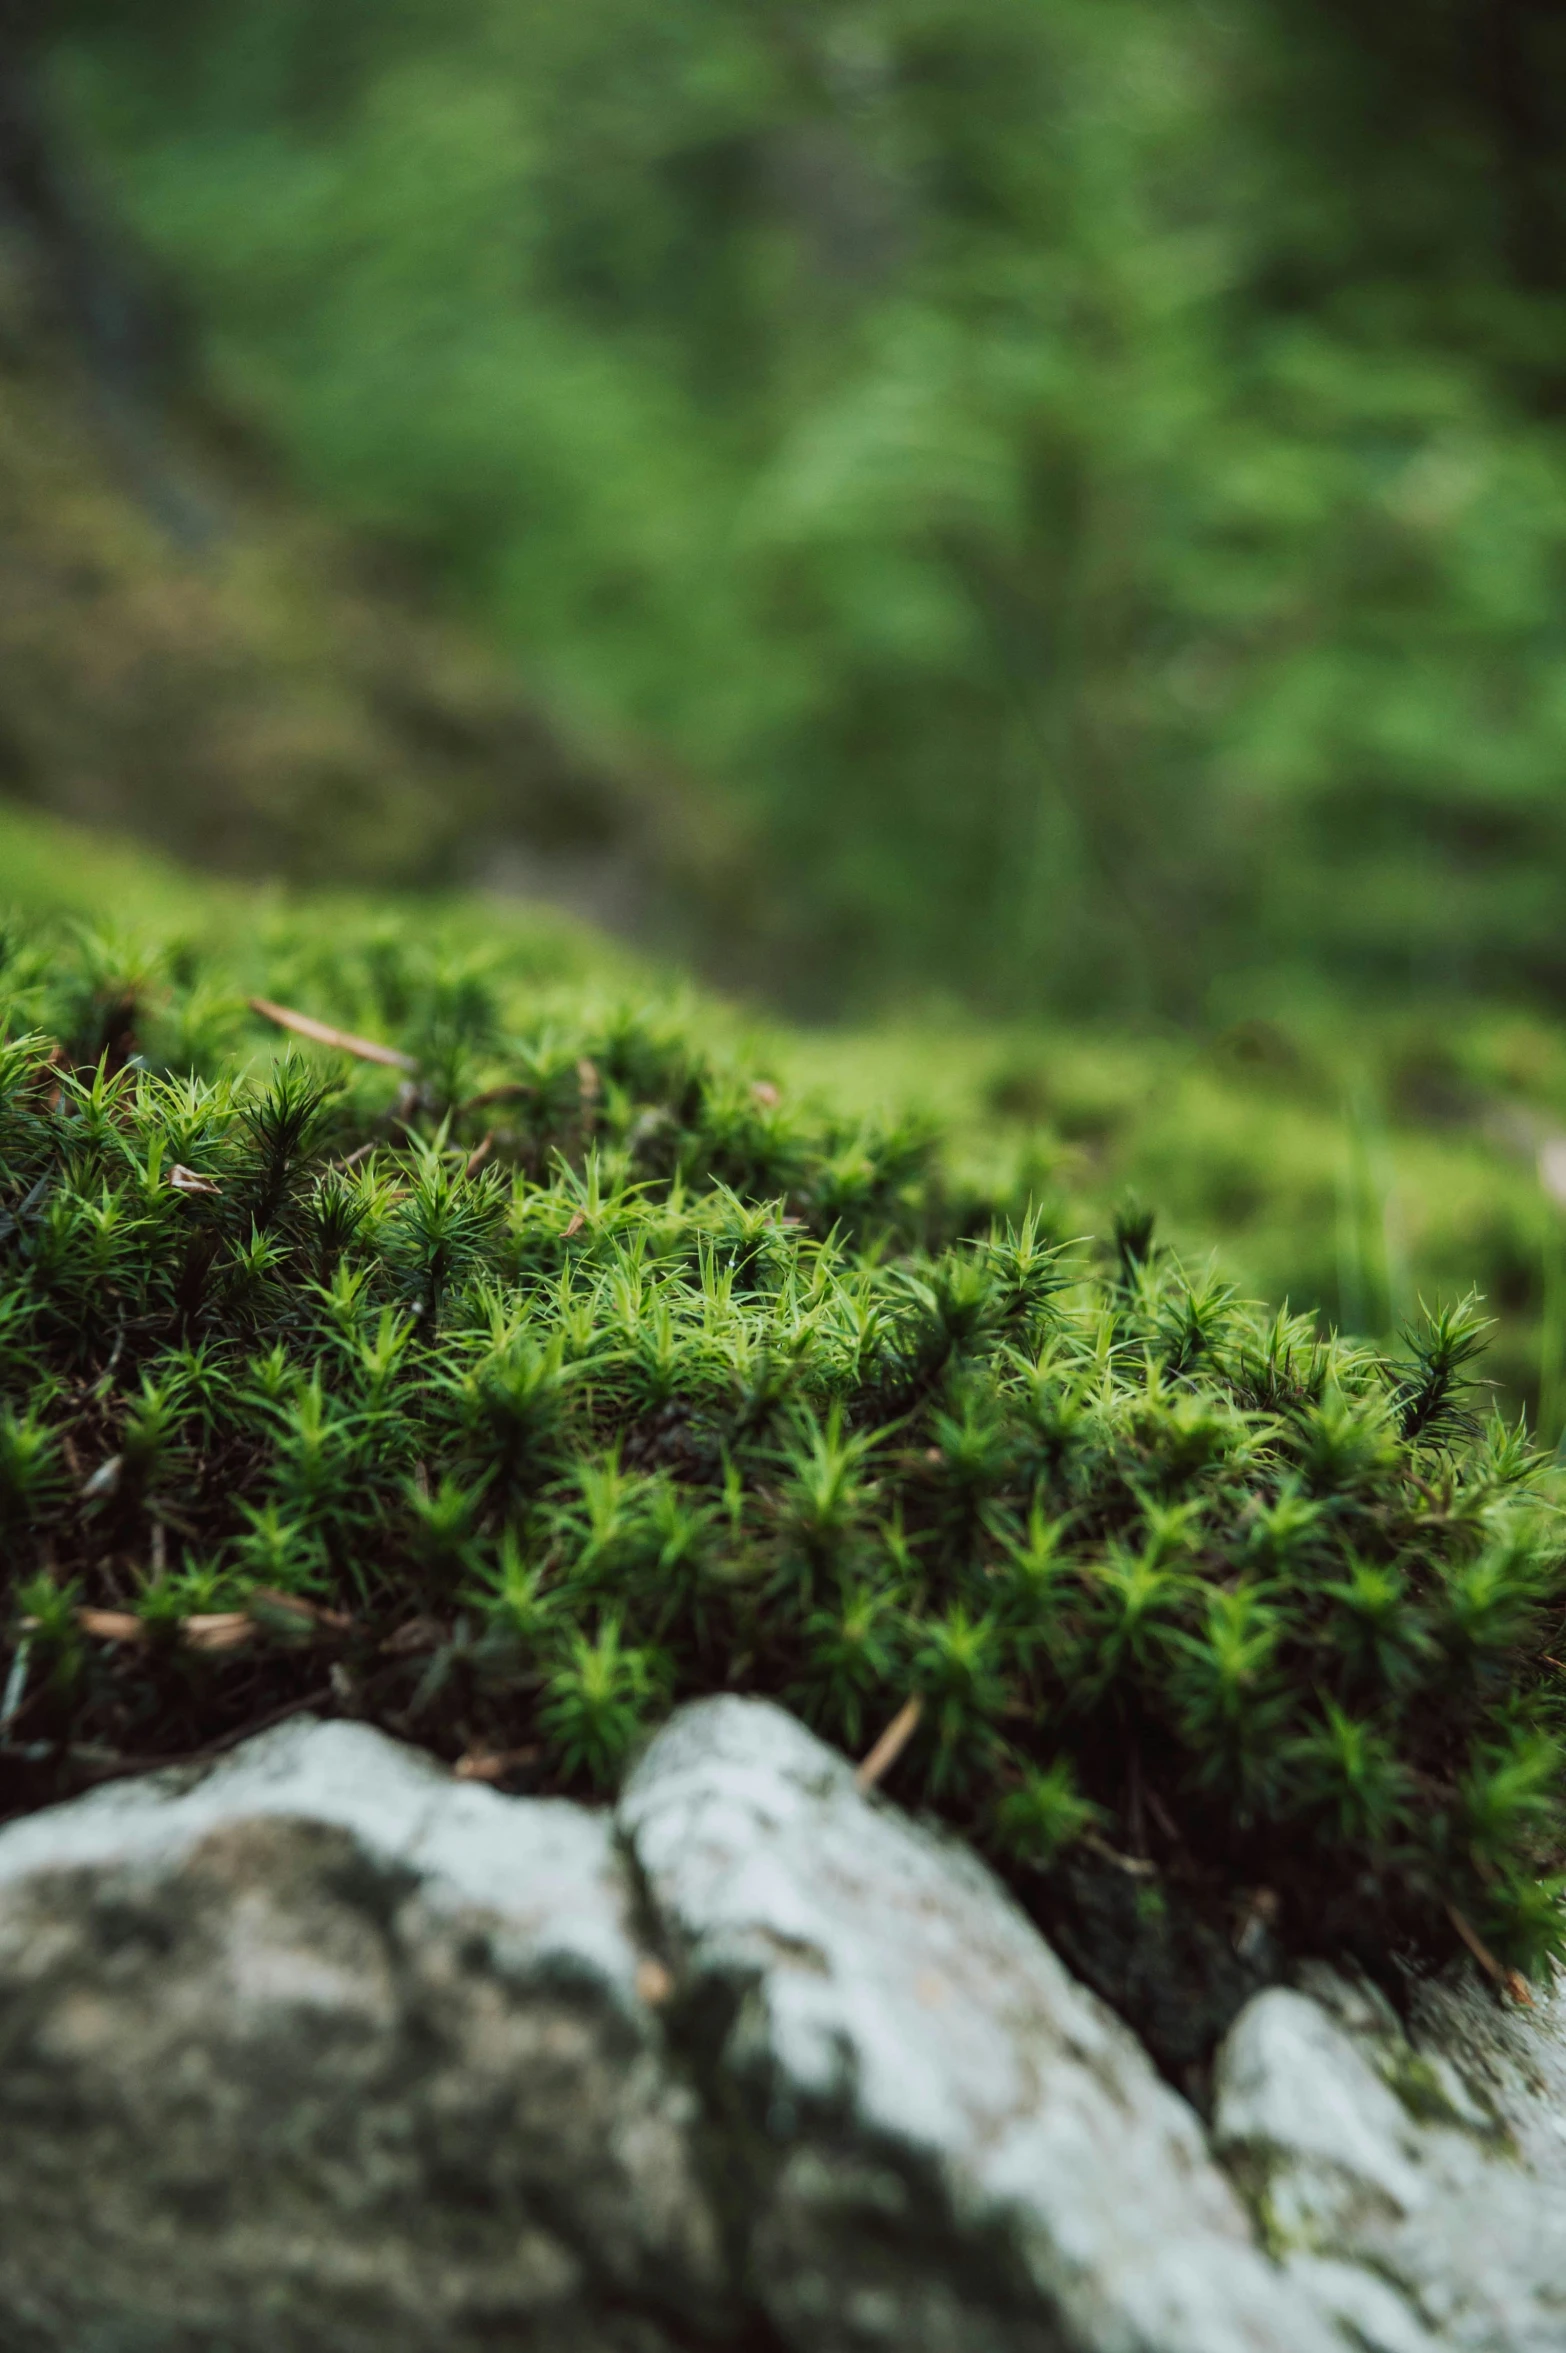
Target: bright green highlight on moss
<point>508,1403</point>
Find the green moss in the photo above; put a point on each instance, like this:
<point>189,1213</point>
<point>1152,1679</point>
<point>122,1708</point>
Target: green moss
<point>1251,2174</point>
<point>1425,2096</point>
<point>507,1399</point>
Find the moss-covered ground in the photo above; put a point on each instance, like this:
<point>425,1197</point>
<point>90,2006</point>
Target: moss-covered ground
<point>546,1348</point>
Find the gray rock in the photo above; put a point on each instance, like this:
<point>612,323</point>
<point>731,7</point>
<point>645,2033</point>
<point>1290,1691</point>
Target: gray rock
<point>948,2143</point>
<point>1424,2167</point>
<point>324,2050</point>
<point>318,2050</point>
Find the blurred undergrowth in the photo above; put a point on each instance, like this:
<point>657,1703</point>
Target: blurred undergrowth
<point>541,1359</point>
<point>1080,481</point>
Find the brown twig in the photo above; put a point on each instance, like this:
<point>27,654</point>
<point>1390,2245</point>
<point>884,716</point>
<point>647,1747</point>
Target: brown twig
<point>112,1625</point>
<point>485,1765</point>
<point>295,1606</point>
<point>1134,1866</point>
<point>321,1033</point>
<point>1511,1981</point>
<point>890,1746</point>
<point>218,1630</point>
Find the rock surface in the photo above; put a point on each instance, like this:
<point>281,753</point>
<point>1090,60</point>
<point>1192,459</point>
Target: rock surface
<point>326,2050</point>
<point>1423,2166</point>
<point>949,2143</point>
<point>317,2050</point>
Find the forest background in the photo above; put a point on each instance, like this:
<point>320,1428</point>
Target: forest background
<point>1065,498</point>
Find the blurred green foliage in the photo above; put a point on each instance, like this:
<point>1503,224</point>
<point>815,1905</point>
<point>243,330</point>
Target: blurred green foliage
<point>1086,476</point>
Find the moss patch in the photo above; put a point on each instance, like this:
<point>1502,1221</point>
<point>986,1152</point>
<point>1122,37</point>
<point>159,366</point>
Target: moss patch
<point>550,1368</point>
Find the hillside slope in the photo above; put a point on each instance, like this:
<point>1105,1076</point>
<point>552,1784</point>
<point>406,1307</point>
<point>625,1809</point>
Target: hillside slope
<point>188,653</point>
